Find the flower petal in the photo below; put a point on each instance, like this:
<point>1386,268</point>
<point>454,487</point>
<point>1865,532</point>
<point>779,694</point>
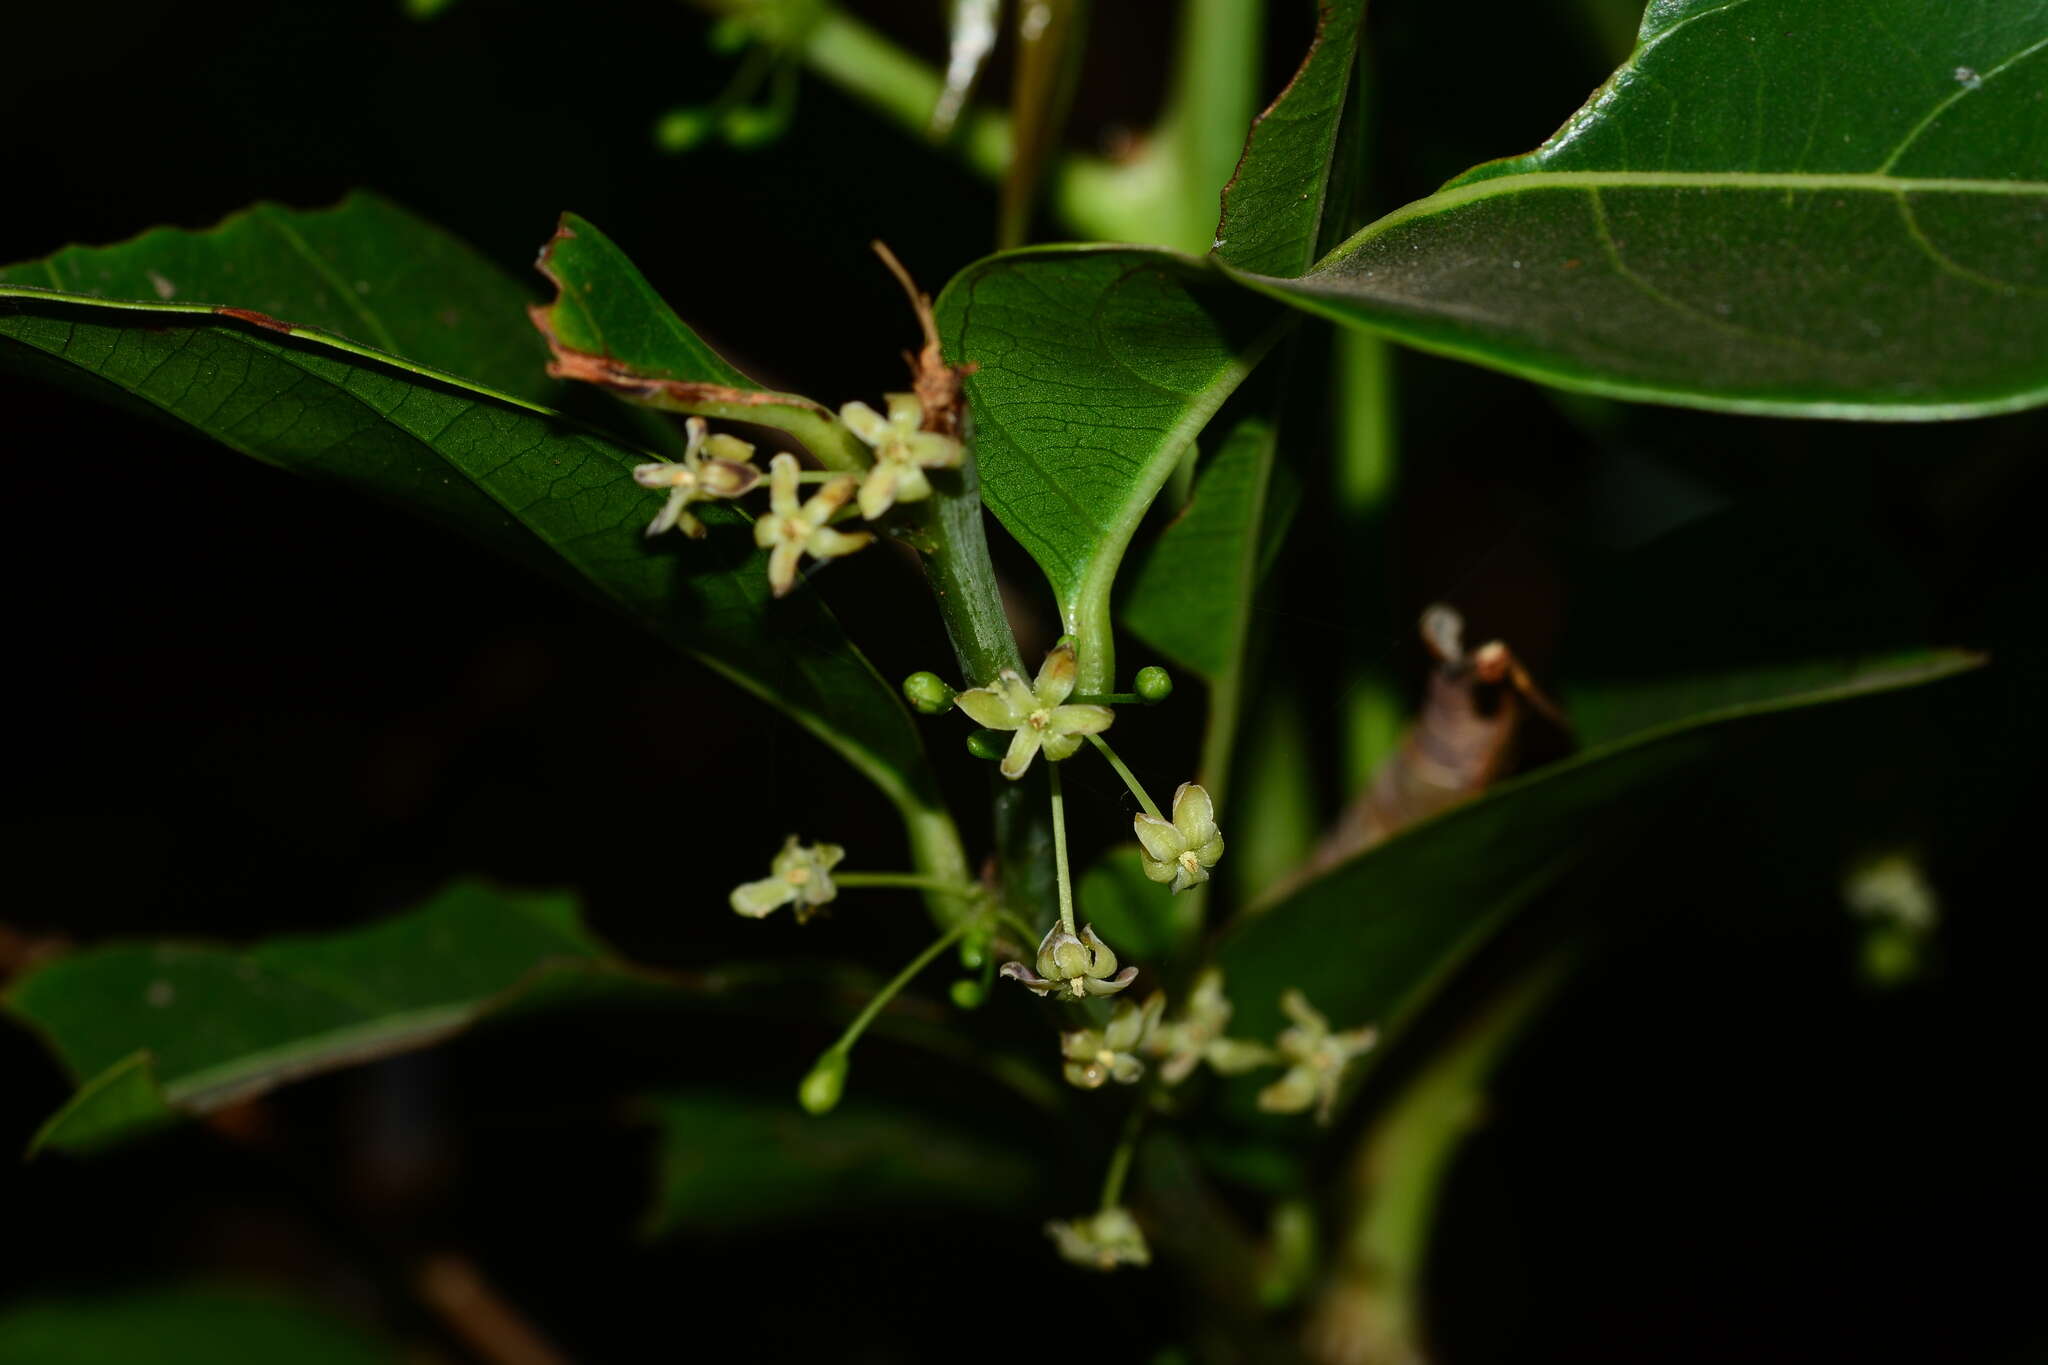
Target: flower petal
<point>1081,720</point>
<point>670,511</point>
<point>1109,987</point>
<point>1161,841</point>
<point>989,708</point>
<point>1023,748</point>
<point>864,422</point>
<point>906,414</point>
<point>1194,814</point>
<point>912,485</point>
<point>1158,871</point>
<point>830,497</point>
<point>930,450</point>
<point>782,471</point>
<point>826,543</point>
<point>1055,681</point>
<point>878,489</point>
<point>782,566</point>
<point>756,899</point>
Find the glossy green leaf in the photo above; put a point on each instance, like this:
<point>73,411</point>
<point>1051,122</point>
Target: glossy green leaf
<point>1833,208</point>
<point>726,1163</point>
<point>1273,205</point>
<point>190,324</point>
<point>152,1031</point>
<point>1191,597</point>
<point>1367,940</point>
<point>1095,367</point>
<point>607,326</point>
<point>202,1325</point>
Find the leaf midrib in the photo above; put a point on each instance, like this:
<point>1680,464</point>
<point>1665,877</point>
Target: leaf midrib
<point>1814,182</point>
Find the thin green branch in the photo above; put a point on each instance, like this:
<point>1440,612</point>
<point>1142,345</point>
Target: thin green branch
<point>913,881</point>
<point>1120,1159</point>
<point>898,982</point>
<point>1059,847</point>
<point>1130,778</point>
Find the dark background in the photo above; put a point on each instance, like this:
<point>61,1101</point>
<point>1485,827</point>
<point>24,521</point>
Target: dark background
<point>245,704</point>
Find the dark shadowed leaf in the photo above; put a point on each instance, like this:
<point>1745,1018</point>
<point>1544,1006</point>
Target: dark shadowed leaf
<point>727,1163</point>
<point>1096,367</point>
<point>1831,208</point>
<point>152,1031</point>
<point>1367,940</point>
<point>202,1325</point>
<point>1273,205</point>
<point>280,334</point>
<point>1192,596</point>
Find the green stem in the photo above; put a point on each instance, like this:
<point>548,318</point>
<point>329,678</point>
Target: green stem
<point>914,881</point>
<point>1120,1159</point>
<point>954,538</point>
<point>1399,1170</point>
<point>1130,778</point>
<point>1059,847</point>
<point>1365,472</point>
<point>897,983</point>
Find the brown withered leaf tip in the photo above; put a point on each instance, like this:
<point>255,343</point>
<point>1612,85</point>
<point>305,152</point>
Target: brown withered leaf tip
<point>936,384</point>
<point>609,372</point>
<point>250,315</point>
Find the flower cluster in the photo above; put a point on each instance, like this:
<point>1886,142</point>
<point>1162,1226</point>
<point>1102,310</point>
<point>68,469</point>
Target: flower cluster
<point>1096,1055</point>
<point>721,466</point>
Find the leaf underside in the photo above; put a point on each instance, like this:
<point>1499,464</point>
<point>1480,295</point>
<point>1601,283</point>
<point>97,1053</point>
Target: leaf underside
<point>1369,939</point>
<point>152,1031</point>
<point>281,333</point>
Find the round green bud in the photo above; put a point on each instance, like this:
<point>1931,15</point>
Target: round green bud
<point>928,693</point>
<point>967,993</point>
<point>973,952</point>
<point>682,129</point>
<point>988,744</point>
<point>753,125</point>
<point>820,1090</point>
<point>729,36</point>
<point>1154,684</point>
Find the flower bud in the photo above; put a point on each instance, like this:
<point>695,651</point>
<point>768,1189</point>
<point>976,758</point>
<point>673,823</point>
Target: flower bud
<point>929,693</point>
<point>967,993</point>
<point>1154,684</point>
<point>820,1091</point>
<point>988,744</point>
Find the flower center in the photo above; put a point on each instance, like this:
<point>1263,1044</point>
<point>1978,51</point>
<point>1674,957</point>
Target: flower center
<point>1041,718</point>
<point>798,875</point>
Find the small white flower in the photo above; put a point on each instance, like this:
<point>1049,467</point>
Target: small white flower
<point>713,466</point>
<point>801,876</point>
<point>902,452</point>
<point>1038,713</point>
<point>792,529</point>
<point>1181,851</point>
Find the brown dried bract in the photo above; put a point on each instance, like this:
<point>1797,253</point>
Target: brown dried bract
<point>1462,742</point>
<point>936,384</point>
<point>250,315</point>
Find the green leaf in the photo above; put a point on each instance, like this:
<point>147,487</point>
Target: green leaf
<point>1367,940</point>
<point>1095,367</point>
<point>728,1163</point>
<point>152,1031</point>
<point>1830,208</point>
<point>608,327</point>
<point>1191,597</point>
<point>1273,205</point>
<point>192,324</point>
<point>202,1325</point>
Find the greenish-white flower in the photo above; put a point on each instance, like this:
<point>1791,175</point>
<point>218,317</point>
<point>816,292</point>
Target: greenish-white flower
<point>1037,712</point>
<point>713,466</point>
<point>1315,1058</point>
<point>1097,1055</point>
<point>903,451</point>
<point>801,876</point>
<point>1109,1239</point>
<point>1197,1036</point>
<point>1183,849</point>
<point>1079,964</point>
<point>793,529</point>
